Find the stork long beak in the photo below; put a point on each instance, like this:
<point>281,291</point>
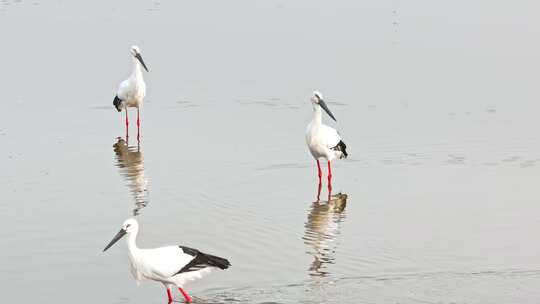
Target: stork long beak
<point>325,108</point>
<point>139,57</point>
<point>115,239</point>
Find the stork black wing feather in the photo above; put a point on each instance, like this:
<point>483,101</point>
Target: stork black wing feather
<point>117,102</point>
<point>202,260</point>
<point>341,147</point>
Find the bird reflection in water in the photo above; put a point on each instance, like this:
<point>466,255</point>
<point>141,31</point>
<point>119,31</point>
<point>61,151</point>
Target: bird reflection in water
<point>130,162</point>
<point>322,228</point>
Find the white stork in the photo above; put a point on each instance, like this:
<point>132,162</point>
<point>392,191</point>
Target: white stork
<point>172,266</point>
<point>130,93</point>
<point>323,141</point>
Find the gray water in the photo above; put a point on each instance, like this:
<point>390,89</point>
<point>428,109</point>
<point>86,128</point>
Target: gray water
<point>437,102</point>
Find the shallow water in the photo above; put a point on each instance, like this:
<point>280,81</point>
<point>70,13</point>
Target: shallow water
<point>439,116</point>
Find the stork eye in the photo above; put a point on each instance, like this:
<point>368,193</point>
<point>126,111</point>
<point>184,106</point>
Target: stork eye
<point>127,226</point>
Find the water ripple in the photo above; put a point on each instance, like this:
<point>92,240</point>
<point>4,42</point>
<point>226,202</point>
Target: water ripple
<point>130,163</point>
<point>322,229</point>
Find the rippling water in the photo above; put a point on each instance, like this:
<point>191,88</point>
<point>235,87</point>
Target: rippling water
<point>438,105</point>
<point>322,230</point>
<point>130,163</point>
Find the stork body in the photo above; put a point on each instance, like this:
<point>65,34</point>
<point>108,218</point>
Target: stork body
<point>173,266</point>
<point>323,141</point>
<point>131,92</point>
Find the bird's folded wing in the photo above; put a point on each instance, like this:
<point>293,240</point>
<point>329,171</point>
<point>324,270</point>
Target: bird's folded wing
<point>162,262</point>
<point>330,135</point>
<point>124,89</point>
<point>202,260</point>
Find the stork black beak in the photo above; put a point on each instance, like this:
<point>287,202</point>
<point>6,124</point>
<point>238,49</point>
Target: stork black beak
<point>325,108</point>
<point>139,57</point>
<point>115,239</point>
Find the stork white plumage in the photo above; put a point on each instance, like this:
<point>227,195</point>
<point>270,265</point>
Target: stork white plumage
<point>323,141</point>
<point>131,91</point>
<point>171,265</point>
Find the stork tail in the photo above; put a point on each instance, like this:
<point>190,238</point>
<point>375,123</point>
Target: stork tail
<point>117,102</point>
<point>216,261</point>
<point>202,260</point>
<point>342,147</point>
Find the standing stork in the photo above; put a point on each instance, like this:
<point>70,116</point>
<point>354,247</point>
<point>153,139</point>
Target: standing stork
<point>173,266</point>
<point>323,141</point>
<point>131,91</point>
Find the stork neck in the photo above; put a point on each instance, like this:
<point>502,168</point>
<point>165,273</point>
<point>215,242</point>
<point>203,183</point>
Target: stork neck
<point>317,114</point>
<point>137,70</point>
<point>132,245</point>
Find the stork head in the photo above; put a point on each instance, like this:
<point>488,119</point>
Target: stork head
<point>136,52</point>
<point>317,96</point>
<point>129,226</point>
<point>317,100</point>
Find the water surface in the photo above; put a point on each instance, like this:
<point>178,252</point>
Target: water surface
<point>438,105</point>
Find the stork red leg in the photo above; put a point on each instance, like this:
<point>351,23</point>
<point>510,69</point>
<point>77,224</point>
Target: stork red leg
<point>127,124</point>
<point>329,180</point>
<point>169,294</point>
<point>319,192</point>
<point>320,180</point>
<point>320,171</point>
<point>186,296</point>
<point>138,127</point>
